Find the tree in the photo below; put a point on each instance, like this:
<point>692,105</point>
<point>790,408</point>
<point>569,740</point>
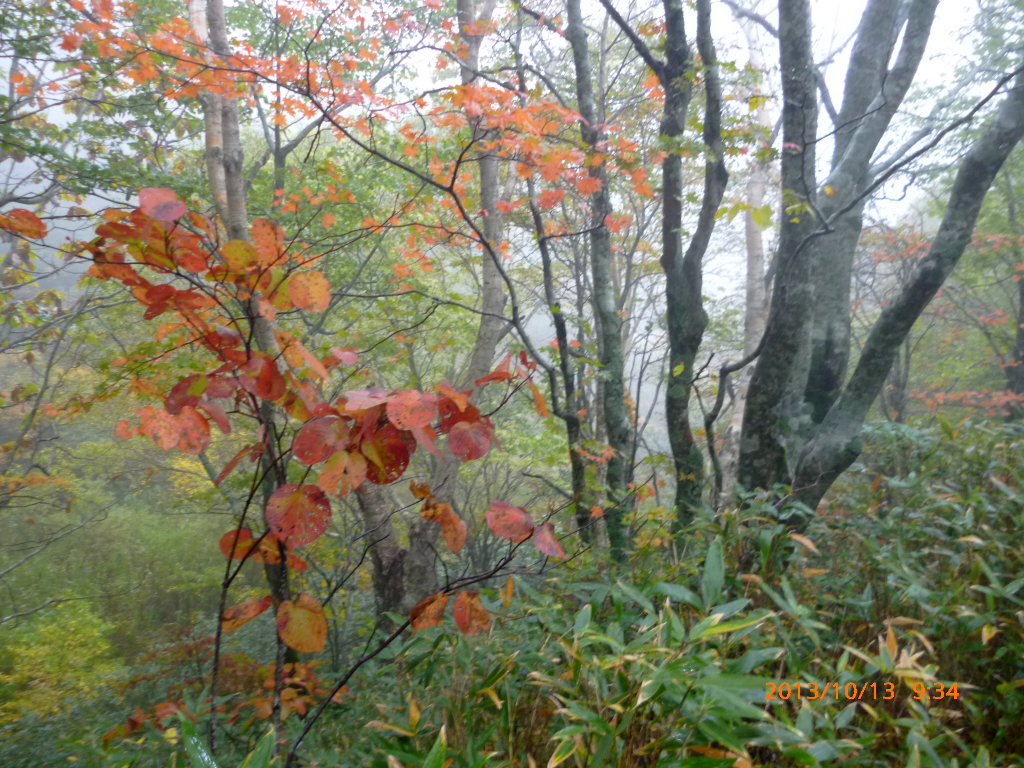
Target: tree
<point>803,414</point>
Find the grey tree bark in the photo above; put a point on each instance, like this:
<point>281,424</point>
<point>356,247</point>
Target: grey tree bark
<point>605,302</point>
<point>803,364</point>
<point>836,443</point>
<point>683,269</point>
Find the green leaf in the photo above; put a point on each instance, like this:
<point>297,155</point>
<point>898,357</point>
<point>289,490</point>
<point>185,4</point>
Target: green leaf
<point>196,751</point>
<point>762,216</point>
<point>678,370</point>
<point>562,752</point>
<point>726,626</point>
<point>262,755</point>
<point>721,734</point>
<point>582,619</point>
<point>436,756</point>
<point>679,593</point>
<point>714,574</point>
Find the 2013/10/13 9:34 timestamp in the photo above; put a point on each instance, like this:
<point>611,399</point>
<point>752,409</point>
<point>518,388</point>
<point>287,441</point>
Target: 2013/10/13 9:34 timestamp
<point>854,692</point>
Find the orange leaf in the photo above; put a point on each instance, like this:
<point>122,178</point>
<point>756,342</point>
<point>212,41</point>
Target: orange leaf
<point>240,255</point>
<point>469,613</point>
<point>428,611</point>
<point>509,522</point>
<point>160,426</point>
<point>161,204</point>
<point>538,399</point>
<point>245,612</point>
<point>453,528</point>
<point>544,538</point>
<point>411,409</point>
<point>298,513</point>
<point>421,491</point>
<point>310,291</point>
<point>194,431</point>
<point>22,222</point>
<point>268,239</point>
<point>301,624</point>
<point>236,543</point>
<point>342,472</point>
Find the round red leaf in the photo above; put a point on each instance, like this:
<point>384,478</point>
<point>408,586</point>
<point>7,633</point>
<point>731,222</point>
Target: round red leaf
<point>469,440</point>
<point>298,513</point>
<point>469,613</point>
<point>411,409</point>
<point>388,453</point>
<point>509,522</point>
<point>320,438</point>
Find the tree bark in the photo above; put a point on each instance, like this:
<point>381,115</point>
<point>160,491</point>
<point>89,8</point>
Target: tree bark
<point>837,442</point>
<point>609,322</point>
<point>686,317</point>
<point>756,304</point>
<point>776,387</point>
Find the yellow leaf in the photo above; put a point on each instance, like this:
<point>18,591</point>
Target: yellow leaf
<point>810,572</point>
<point>972,540</point>
<point>987,633</point>
<point>415,713</point>
<point>678,370</point>
<point>829,190</point>
<point>805,541</point>
<point>380,725</point>
<point>890,643</point>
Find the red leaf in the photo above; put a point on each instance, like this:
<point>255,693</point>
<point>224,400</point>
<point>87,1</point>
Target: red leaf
<point>321,438</point>
<point>183,393</point>
<point>544,538</point>
<point>365,399</point>
<point>509,522</point>
<point>460,399</point>
<point>453,528</point>
<point>216,413</point>
<point>342,472</point>
<point>411,409</point>
<point>124,430</point>
<point>301,624</point>
<point>428,611</point>
<point>160,426</point>
<point>298,513</point>
<point>388,453</point>
<point>469,440</point>
<point>230,466</point>
<point>469,613</point>
<point>425,440</point>
<point>345,356</point>
<point>154,199</point>
<point>261,377</point>
<point>243,613</point>
<point>310,291</point>
<point>194,431</point>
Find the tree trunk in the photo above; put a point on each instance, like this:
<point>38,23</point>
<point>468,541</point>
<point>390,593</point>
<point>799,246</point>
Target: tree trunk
<point>776,385</point>
<point>609,322</point>
<point>837,442</point>
<point>756,305</point>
